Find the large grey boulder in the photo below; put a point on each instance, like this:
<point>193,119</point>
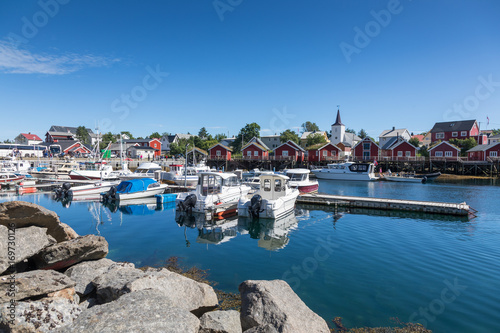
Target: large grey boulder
<point>31,284</point>
<point>68,253</point>
<point>220,322</point>
<point>274,303</point>
<point>28,242</point>
<point>181,291</point>
<point>26,214</point>
<point>84,272</point>
<point>4,258</point>
<point>44,315</point>
<point>263,329</point>
<point>140,311</point>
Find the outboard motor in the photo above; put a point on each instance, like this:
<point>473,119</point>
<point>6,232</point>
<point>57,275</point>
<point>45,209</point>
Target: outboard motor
<point>188,203</point>
<point>111,194</point>
<point>424,180</point>
<point>254,208</point>
<point>64,191</point>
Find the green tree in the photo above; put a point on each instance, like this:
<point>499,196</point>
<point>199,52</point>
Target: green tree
<point>464,144</point>
<point>314,139</point>
<point>155,135</point>
<point>415,142</point>
<point>220,137</point>
<point>362,134</point>
<point>82,134</point>
<point>127,133</point>
<point>247,132</point>
<point>423,151</point>
<point>309,127</point>
<point>289,135</point>
<point>203,134</point>
<point>350,130</point>
<point>495,131</point>
<point>106,139</point>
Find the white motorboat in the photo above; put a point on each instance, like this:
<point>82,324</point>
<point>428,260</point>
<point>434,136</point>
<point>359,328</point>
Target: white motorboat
<point>93,170</point>
<point>134,189</point>
<point>179,175</point>
<point>144,170</point>
<point>274,199</point>
<point>347,171</point>
<point>404,177</point>
<point>213,189</point>
<point>8,178</point>
<point>58,171</point>
<point>299,178</point>
<point>67,191</point>
<point>252,178</point>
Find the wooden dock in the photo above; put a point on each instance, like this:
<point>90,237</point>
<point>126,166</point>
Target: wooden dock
<point>461,209</point>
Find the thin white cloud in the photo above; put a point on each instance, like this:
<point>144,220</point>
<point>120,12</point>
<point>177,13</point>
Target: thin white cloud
<point>20,61</point>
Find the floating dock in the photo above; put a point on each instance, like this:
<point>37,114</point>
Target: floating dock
<point>461,209</point>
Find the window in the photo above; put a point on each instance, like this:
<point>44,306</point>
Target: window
<point>317,152</point>
<point>454,134</point>
<point>285,153</point>
<point>448,153</point>
<point>277,185</point>
<point>334,153</point>
<point>408,153</point>
<point>366,146</point>
<point>438,154</point>
<point>400,154</point>
<point>440,135</point>
<point>218,153</point>
<point>493,154</point>
<point>267,185</point>
<point>463,133</point>
<point>256,153</point>
<point>249,153</point>
<point>325,153</point>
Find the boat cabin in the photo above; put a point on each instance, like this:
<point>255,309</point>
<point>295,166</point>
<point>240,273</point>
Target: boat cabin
<point>273,186</point>
<point>210,183</point>
<point>298,175</point>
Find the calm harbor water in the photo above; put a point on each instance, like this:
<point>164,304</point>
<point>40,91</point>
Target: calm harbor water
<point>364,266</point>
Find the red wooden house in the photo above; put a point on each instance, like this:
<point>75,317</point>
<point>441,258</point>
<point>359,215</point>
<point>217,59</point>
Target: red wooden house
<point>324,152</point>
<point>457,130</point>
<point>366,150</point>
<point>255,149</point>
<point>444,151</point>
<point>289,151</point>
<point>484,152</point>
<point>219,152</point>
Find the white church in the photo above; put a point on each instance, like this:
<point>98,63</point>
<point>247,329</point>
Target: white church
<point>339,135</point>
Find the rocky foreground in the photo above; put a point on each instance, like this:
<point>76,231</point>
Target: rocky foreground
<point>52,280</point>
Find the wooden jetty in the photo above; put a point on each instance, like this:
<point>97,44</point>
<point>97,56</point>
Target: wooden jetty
<point>461,209</point>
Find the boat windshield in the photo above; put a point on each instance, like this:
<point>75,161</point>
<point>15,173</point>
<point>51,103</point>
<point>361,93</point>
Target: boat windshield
<point>232,181</point>
<point>297,176</point>
<point>210,184</point>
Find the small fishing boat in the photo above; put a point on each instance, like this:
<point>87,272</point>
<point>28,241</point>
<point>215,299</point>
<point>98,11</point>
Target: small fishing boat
<point>299,178</point>
<point>8,178</point>
<point>58,171</point>
<point>144,170</point>
<point>408,177</point>
<point>347,171</point>
<point>274,199</point>
<point>134,189</point>
<point>214,190</point>
<point>93,170</point>
<point>66,190</point>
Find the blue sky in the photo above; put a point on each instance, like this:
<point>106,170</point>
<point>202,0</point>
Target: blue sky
<point>176,66</point>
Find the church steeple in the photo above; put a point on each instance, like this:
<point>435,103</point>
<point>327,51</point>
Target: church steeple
<point>338,121</point>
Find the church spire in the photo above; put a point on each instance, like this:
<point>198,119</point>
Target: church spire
<point>338,121</point>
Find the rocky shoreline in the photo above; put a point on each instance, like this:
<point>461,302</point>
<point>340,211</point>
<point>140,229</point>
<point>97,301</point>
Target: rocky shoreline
<point>53,280</point>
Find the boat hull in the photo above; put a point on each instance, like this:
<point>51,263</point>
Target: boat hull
<point>271,209</point>
<point>404,179</point>
<point>320,174</point>
<point>142,194</point>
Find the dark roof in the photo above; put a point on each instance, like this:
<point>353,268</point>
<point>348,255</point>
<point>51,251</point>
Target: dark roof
<point>338,121</point>
<point>139,140</point>
<point>390,142</point>
<point>142,148</point>
<point>483,147</point>
<point>72,130</point>
<point>453,126</point>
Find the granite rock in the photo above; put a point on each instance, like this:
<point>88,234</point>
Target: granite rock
<point>84,272</point>
<point>221,322</point>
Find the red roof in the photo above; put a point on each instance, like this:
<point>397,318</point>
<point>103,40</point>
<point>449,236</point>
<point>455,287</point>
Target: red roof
<point>30,136</point>
<point>420,137</point>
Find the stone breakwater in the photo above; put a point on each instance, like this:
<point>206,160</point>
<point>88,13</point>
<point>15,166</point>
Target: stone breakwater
<point>53,280</point>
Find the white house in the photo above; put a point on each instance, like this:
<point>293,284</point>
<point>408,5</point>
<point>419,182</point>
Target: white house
<point>271,141</point>
<point>387,135</point>
<point>28,139</point>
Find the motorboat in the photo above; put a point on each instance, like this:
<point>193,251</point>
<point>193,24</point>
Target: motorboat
<point>410,177</point>
<point>252,178</point>
<point>144,170</point>
<point>134,189</point>
<point>66,190</point>
<point>347,171</point>
<point>299,178</point>
<point>180,176</point>
<point>58,171</point>
<point>9,178</point>
<point>214,190</point>
<point>93,170</point>
<point>274,199</point>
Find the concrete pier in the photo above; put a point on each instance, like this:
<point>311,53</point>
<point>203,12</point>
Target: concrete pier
<point>461,209</point>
